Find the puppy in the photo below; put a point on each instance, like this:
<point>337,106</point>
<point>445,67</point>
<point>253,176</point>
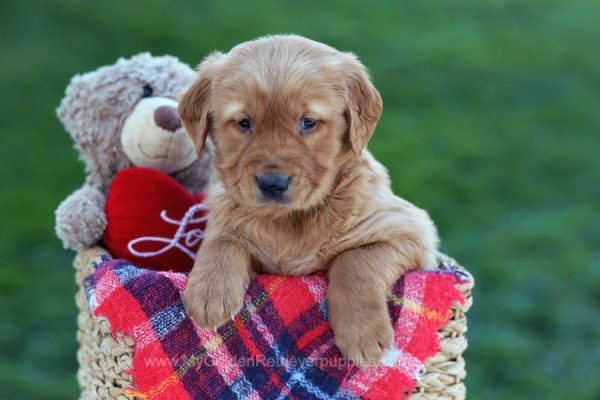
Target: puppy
<point>296,192</point>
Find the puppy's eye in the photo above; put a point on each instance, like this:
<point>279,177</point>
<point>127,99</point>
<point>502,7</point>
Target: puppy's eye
<point>245,124</point>
<point>148,91</point>
<point>307,125</point>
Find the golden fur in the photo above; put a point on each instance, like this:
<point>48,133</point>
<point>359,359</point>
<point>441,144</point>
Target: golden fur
<point>340,214</point>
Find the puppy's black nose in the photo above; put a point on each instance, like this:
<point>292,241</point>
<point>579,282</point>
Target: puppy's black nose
<point>273,186</point>
<point>167,118</point>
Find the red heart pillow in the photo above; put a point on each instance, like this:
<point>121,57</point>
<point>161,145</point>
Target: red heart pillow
<point>153,221</point>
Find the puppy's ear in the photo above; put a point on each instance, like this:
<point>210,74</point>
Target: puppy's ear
<point>195,105</point>
<point>364,105</point>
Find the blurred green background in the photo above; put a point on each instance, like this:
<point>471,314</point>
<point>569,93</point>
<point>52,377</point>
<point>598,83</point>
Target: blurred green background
<point>491,122</point>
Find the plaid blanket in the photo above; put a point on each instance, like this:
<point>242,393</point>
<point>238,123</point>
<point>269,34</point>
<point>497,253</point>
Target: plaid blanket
<point>279,346</point>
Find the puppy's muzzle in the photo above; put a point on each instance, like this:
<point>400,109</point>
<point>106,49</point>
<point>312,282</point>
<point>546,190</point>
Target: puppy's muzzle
<point>272,186</point>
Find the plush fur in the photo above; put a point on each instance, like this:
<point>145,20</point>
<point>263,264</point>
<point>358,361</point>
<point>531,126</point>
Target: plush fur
<point>339,213</point>
<point>110,120</point>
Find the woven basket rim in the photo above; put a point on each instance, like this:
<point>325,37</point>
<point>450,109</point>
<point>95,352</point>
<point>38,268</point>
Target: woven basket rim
<point>104,359</point>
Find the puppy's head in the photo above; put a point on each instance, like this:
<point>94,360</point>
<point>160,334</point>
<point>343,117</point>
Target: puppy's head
<point>284,113</point>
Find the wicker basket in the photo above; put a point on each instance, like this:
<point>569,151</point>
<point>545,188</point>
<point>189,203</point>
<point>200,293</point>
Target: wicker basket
<point>103,359</point>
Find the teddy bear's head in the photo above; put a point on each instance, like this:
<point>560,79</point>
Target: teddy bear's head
<point>125,115</point>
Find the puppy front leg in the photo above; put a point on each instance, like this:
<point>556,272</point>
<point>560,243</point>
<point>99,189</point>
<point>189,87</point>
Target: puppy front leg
<point>217,283</point>
<point>359,283</point>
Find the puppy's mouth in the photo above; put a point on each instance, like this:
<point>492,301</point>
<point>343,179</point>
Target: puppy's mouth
<point>265,200</point>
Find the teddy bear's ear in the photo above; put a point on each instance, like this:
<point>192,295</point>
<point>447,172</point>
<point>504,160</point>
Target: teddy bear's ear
<point>194,107</point>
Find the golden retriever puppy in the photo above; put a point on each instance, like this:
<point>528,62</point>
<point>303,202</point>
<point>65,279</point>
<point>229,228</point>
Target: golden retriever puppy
<point>296,191</point>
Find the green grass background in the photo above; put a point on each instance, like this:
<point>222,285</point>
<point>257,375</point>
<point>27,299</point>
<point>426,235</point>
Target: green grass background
<point>492,112</point>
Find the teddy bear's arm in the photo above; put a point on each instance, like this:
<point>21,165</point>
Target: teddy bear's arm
<point>80,219</point>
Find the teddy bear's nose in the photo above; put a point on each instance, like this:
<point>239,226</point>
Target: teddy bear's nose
<point>166,117</point>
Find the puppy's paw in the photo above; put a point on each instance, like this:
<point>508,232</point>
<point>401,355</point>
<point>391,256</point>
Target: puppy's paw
<point>212,301</point>
<point>363,339</point>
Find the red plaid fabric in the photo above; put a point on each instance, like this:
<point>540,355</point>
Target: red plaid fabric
<point>279,346</point>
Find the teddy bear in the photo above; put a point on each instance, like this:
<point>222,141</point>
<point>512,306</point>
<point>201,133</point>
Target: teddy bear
<point>120,116</point>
